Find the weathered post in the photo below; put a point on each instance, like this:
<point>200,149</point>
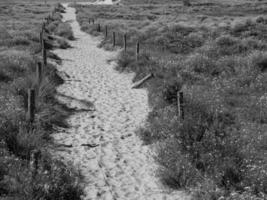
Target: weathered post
<point>41,40</point>
<point>98,28</point>
<point>180,104</point>
<point>89,20</point>
<point>43,27</point>
<point>31,105</point>
<point>125,42</point>
<point>93,20</point>
<point>106,32</point>
<point>137,50</point>
<point>39,72</point>
<point>42,36</point>
<point>44,56</point>
<point>114,39</point>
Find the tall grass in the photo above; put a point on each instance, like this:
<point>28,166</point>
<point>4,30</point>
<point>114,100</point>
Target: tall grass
<point>218,150</point>
<point>20,140</point>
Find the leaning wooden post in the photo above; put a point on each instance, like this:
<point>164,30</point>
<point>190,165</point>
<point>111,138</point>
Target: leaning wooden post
<point>31,105</point>
<point>98,28</point>
<point>39,72</point>
<point>114,39</point>
<point>137,50</point>
<point>106,31</point>
<point>180,104</point>
<point>125,41</point>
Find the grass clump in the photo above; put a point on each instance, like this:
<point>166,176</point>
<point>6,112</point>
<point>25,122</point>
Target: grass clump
<point>26,170</point>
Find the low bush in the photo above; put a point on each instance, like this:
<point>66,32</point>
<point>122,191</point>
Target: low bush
<point>64,30</point>
<point>52,180</point>
<point>170,90</point>
<point>201,64</point>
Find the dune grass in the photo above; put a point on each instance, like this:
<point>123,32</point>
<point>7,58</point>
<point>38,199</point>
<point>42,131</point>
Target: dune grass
<point>19,141</point>
<point>216,54</point>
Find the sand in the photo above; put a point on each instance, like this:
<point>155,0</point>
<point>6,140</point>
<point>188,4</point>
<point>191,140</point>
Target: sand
<point>105,148</point>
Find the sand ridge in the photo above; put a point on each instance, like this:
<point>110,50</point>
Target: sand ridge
<point>105,148</point>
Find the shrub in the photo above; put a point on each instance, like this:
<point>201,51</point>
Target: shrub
<point>211,144</point>
<point>176,171</point>
<point>261,19</point>
<point>20,141</point>
<point>124,61</point>
<point>262,64</point>
<point>145,135</point>
<point>239,28</point>
<point>56,17</point>
<point>64,30</point>
<point>226,40</point>
<point>52,181</point>
<point>51,27</point>
<point>171,87</point>
<point>201,64</point>
<point>20,40</point>
<point>207,190</point>
<point>4,77</point>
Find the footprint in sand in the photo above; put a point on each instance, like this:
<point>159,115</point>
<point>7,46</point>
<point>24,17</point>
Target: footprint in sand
<point>119,167</point>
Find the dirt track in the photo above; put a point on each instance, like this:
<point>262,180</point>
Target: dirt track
<point>112,159</point>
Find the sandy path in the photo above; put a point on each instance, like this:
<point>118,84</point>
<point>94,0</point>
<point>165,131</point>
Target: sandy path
<point>119,167</point>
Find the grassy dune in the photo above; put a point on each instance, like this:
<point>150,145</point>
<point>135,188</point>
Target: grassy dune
<point>20,25</point>
<point>216,53</point>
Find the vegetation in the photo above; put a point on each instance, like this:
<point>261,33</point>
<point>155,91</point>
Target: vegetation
<point>216,54</point>
<point>21,175</point>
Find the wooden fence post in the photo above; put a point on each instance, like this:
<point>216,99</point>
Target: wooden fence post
<point>89,20</point>
<point>125,42</point>
<point>137,50</point>
<point>43,27</point>
<point>39,72</point>
<point>106,31</point>
<point>180,104</point>
<point>41,38</point>
<point>31,105</point>
<point>44,56</point>
<point>114,39</point>
<point>93,20</point>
